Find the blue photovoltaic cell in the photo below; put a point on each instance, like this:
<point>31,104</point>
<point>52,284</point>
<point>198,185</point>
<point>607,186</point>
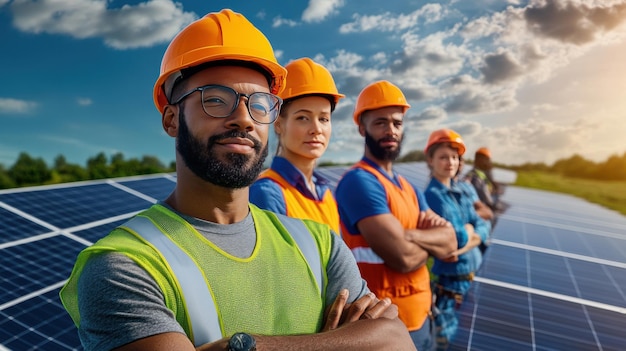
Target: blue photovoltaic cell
<point>557,274</point>
<point>38,323</point>
<point>72,206</point>
<point>505,264</point>
<point>503,319</point>
<point>14,227</point>
<point>157,188</point>
<point>550,273</point>
<point>95,233</point>
<point>29,267</point>
<point>597,283</point>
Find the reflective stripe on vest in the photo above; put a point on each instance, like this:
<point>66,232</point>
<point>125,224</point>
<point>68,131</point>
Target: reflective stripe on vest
<point>307,245</point>
<point>204,322</point>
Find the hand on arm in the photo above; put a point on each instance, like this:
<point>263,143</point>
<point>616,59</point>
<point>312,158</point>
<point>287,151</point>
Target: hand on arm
<point>362,325</point>
<point>367,307</point>
<point>366,324</point>
<point>439,239</point>
<point>386,236</point>
<point>474,240</point>
<point>429,219</point>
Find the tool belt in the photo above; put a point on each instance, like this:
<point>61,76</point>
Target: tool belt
<point>440,291</point>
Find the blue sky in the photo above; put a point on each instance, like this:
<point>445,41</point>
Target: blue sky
<point>533,80</point>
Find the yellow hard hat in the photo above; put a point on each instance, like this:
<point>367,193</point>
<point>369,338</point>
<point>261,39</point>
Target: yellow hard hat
<point>306,77</point>
<point>377,95</point>
<point>446,136</point>
<point>218,36</point>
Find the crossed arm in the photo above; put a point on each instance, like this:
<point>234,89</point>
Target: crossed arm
<point>366,324</point>
<point>405,250</point>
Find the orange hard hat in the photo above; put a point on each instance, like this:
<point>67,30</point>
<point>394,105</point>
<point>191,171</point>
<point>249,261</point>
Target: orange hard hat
<point>306,77</point>
<point>377,95</point>
<point>483,151</point>
<point>218,36</point>
<point>446,136</point>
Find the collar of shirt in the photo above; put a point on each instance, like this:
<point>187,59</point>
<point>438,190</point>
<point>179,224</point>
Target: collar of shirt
<point>454,187</point>
<point>393,179</point>
<point>295,178</point>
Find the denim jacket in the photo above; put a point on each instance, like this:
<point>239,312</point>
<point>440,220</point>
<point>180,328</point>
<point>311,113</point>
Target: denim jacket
<point>454,206</point>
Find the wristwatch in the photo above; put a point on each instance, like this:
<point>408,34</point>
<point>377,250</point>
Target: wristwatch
<point>241,342</point>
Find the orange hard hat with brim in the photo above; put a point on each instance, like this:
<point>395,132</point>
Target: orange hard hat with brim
<point>220,36</point>
<point>378,95</point>
<point>307,77</point>
<point>446,136</point>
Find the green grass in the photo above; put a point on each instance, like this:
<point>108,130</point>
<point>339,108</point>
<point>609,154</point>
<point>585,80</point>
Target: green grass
<point>610,194</point>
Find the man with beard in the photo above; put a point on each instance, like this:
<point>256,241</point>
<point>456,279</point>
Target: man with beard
<point>386,221</point>
<point>204,269</point>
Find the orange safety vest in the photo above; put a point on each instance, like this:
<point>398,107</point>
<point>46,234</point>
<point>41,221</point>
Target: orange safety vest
<point>300,206</point>
<point>409,291</point>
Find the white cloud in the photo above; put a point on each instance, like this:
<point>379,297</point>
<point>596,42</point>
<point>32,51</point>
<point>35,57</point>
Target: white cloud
<point>390,22</point>
<point>15,106</point>
<point>279,21</point>
<point>84,101</point>
<point>279,54</point>
<point>131,26</point>
<point>318,10</point>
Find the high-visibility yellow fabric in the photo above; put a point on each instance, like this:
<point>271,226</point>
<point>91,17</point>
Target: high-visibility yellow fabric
<point>273,292</point>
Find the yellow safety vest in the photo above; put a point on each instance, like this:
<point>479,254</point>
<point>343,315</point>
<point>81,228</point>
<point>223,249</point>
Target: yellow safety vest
<point>278,290</point>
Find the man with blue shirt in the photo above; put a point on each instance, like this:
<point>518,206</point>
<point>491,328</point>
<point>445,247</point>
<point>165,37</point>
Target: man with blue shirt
<point>385,220</point>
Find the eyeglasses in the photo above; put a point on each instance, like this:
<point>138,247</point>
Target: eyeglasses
<point>220,102</point>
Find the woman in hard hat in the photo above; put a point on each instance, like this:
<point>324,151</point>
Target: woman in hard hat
<point>291,186</point>
<point>443,154</point>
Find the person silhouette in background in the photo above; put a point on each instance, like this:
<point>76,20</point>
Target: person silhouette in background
<point>205,269</point>
<point>480,176</point>
<point>470,196</point>
<point>291,186</point>
<point>453,278</point>
<point>385,220</point>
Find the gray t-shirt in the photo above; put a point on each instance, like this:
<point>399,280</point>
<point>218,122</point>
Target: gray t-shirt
<point>119,302</point>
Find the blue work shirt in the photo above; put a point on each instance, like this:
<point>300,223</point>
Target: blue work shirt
<point>359,195</point>
<point>451,204</point>
<point>266,194</point>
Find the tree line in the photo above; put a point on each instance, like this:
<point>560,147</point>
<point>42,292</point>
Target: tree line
<point>576,166</point>
<point>30,171</point>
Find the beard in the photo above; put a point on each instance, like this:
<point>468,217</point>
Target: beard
<point>383,153</point>
<point>238,171</point>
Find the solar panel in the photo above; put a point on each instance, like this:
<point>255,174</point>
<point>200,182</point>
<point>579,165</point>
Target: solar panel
<point>553,279</point>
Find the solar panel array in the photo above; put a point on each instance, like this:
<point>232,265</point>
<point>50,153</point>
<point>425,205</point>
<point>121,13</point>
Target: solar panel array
<point>553,279</point>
